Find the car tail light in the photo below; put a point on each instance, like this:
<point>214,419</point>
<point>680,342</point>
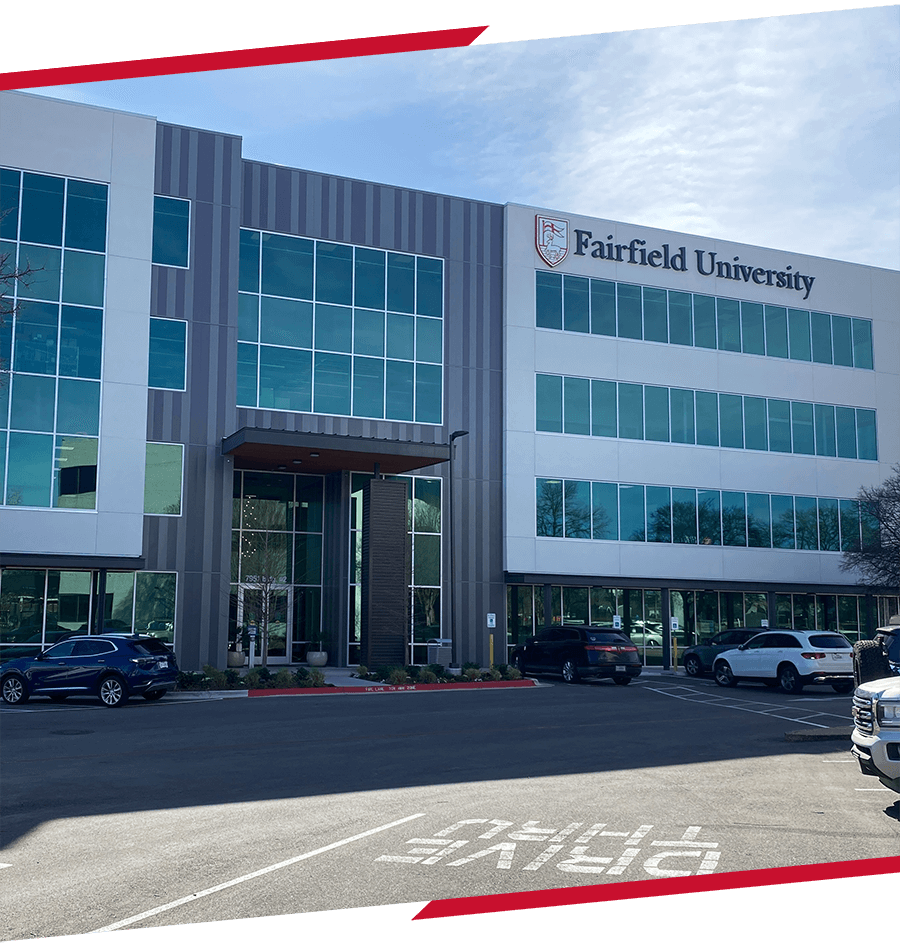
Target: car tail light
<point>628,649</point>
<point>605,647</point>
<point>144,662</point>
<point>810,655</point>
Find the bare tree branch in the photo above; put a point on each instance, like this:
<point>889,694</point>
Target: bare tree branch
<point>878,558</point>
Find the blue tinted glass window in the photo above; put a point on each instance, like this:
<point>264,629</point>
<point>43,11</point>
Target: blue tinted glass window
<point>248,317</point>
<point>78,409</point>
<point>798,335</point>
<point>576,314</point>
<point>80,342</point>
<point>603,408</point>
<point>824,421</point>
<point>629,309</point>
<point>734,519</point>
<point>681,319</point>
<point>849,513</point>
<point>759,526</point>
<point>862,343</point>
<point>731,420</point>
<point>780,426</point>
<point>287,266</point>
<point>577,513</point>
<point>86,216</point>
<point>429,336</point>
<point>659,514</point>
<point>753,333</point>
<point>334,328</point>
<point>83,276</point>
<point>285,376</point>
<point>705,322</point>
<point>37,326</point>
<point>656,317</point>
<point>549,507</point>
<point>368,387</point>
<point>782,522</point>
<point>398,403</point>
<point>429,287</point>
<point>401,282</point>
<point>248,356</point>
<point>10,186</point>
<point>845,419</point>
<point>682,406</point>
<point>369,272</point>
<point>428,394</point>
<point>290,322</point>
<point>776,331</point>
<point>332,384</point>
<point>42,211</point>
<point>709,519</point>
<point>368,332</point>
<point>707,407</point>
<point>401,337</point>
<point>248,279</point>
<point>829,526</point>
<point>548,300</point>
<point>605,513</point>
<point>843,343</point>
<point>171,231</point>
<point>684,516</point>
<point>806,522</point>
<point>820,324</point>
<point>631,411</point>
<point>577,406</point>
<point>755,423</point>
<point>656,413</point>
<point>32,402</point>
<point>603,307</point>
<point>728,318</point>
<point>866,447</point>
<point>30,472</point>
<point>334,273</point>
<point>168,340</point>
<point>631,514</point>
<point>802,427</point>
<point>43,264</point>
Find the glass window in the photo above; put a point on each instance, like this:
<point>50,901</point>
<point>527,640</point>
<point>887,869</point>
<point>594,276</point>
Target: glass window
<point>86,215</point>
<point>429,287</point>
<point>681,328</point>
<point>267,501</point>
<point>401,336</point>
<point>576,405</point>
<point>798,335</point>
<point>429,339</point>
<point>755,423</point>
<point>42,209</point>
<point>824,421</point>
<point>631,411</point>
<point>705,322</point>
<point>802,428</point>
<point>369,271</point>
<point>631,513</point>
<point>829,526</point>
<point>843,345</point>
<point>171,231</point>
<point>33,402</point>
<point>548,300</point>
<point>285,378</point>
<point>80,341</point>
<point>290,322</point>
<point>576,316</point>
<point>162,479</point>
<point>368,332</point>
<point>401,280</point>
<point>43,280</point>
<point>334,273</point>
<point>656,413</point>
<point>10,186</point>
<point>334,328</point>
<point>776,331</point>
<point>806,519</point>
<point>731,419</point>
<point>605,510</point>
<point>75,473</point>
<point>398,403</point>
<point>862,343</point>
<point>332,384</point>
<point>83,277</point>
<point>753,334</point>
<point>759,532</point>
<point>428,394</point>
<point>684,516</point>
<point>603,307</point>
<point>308,559</point>
<point>78,407</point>
<point>29,473</point>
<point>578,511</point>
<point>154,604</point>
<point>168,354</point>
<point>248,280</point>
<point>866,446</point>
<point>849,514</point>
<point>550,507</point>
<point>779,426</point>
<point>368,387</point>
<point>629,310</point>
<point>729,323</point>
<point>287,266</point>
<point>656,328</point>
<point>426,505</point>
<point>821,338</point>
<point>247,367</point>
<point>734,518</point>
<point>549,402</point>
<point>682,407</point>
<point>603,408</point>
<point>709,519</point>
<point>707,418</point>
<point>848,616</point>
<point>659,514</point>
<point>782,522</point>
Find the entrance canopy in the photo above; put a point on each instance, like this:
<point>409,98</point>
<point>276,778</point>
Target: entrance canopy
<point>264,449</point>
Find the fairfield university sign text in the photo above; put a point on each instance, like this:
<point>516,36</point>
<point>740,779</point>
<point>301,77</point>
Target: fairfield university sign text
<point>552,243</point>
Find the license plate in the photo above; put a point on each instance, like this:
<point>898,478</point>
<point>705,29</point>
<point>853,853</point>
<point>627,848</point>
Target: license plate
<point>620,668</point>
<point>837,656</point>
<point>163,664</point>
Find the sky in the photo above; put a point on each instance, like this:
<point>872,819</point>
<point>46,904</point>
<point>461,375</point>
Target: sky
<point>779,132</point>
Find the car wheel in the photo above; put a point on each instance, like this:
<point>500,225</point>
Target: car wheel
<point>112,692</point>
<point>869,662</point>
<point>155,695</point>
<point>622,681</point>
<point>13,690</point>
<point>789,679</point>
<point>692,666</point>
<point>842,687</point>
<point>724,676</point>
<point>569,671</point>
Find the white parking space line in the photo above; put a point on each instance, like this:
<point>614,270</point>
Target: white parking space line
<point>257,873</point>
<point>871,789</point>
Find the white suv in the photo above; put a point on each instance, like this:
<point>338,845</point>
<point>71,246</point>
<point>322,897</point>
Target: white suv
<point>791,659</point>
<point>876,731</point>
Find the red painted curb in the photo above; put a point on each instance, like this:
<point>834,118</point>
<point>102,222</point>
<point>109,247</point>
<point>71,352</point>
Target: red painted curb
<point>389,688</point>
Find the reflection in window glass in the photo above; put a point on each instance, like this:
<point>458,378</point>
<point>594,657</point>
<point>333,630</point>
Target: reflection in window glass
<point>862,343</point>
<point>753,333</point>
<point>576,308</point>
<point>83,278</point>
<point>684,516</point>
<point>682,406</point>
<point>865,435</point>
<point>29,471</point>
<point>802,427</point>
<point>729,324</point>
<point>807,526</point>
<point>681,328</point>
<point>603,408</point>
<point>843,345</point>
<point>709,521</point>
<point>783,522</point>
<point>705,322</point>
<point>759,533</point>
<point>41,209</point>
<point>631,514</point>
<point>171,229</point>
<point>605,511</point>
<point>849,514</point>
<point>655,315</point>
<point>577,512</point>
<point>401,278</point>
<point>548,300</point>
<point>285,321</point>
<point>550,507</point>
<point>731,420</point>
<point>168,354</point>
<point>576,406</point>
<point>80,342</point>
<point>86,215</point>
<point>631,411</point>
<point>75,473</point>
<point>163,478</point>
<point>659,514</point>
<point>829,526</point>
<point>334,273</point>
<point>656,412</point>
<point>43,281</point>
<point>755,423</point>
<point>36,328</point>
<point>154,604</point>
<point>78,408</point>
<point>33,400</point>
<point>734,519</point>
<point>798,335</point>
<point>603,307</point>
<point>284,378</point>
<point>332,384</point>
<point>549,403</point>
<point>779,413</point>
<point>776,331</point>
<point>629,311</point>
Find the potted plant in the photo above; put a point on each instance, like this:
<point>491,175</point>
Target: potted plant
<point>317,657</point>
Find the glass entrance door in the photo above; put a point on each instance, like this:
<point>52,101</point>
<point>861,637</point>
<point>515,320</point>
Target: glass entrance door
<point>251,610</point>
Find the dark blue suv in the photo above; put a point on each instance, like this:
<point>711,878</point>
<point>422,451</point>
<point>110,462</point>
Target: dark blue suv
<point>111,666</point>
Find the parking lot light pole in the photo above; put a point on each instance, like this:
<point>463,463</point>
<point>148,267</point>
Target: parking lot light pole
<point>454,652</point>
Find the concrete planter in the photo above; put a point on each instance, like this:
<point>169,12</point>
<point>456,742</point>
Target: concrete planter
<point>317,658</point>
<point>236,658</point>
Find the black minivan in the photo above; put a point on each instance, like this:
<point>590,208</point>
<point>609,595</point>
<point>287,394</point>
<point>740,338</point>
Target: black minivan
<point>576,651</point>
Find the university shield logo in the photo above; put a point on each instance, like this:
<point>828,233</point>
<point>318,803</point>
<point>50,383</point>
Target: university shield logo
<point>551,238</point>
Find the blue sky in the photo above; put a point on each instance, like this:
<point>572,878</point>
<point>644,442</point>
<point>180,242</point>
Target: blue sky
<point>781,132</point>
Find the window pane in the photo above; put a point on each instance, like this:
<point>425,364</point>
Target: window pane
<point>10,186</point>
<point>162,479</point>
<point>866,446</point>
<point>682,407</point>
<point>659,514</point>
<point>776,331</point>
<point>75,473</point>
<point>707,418</point>
<point>548,300</point>
<point>368,332</point>
<point>86,216</point>
<point>631,513</point>
<point>78,410</point>
<point>549,402</point>
<point>398,390</point>
<point>550,508</point>
<point>824,419</point>
<point>843,346</point>
<point>401,278</point>
<point>631,411</point>
<point>80,342</point>
<point>43,281</point>
<point>709,518</point>
<point>848,616</point>
<point>576,406</point>
<point>753,336</point>
<point>285,376</point>
<point>798,335</point>
<point>428,394</point>
<point>729,322</point>
<point>577,497</point>
<point>369,287</point>
<point>780,426</point>
<point>829,527</point>
<point>783,522</point>
<point>802,427</point>
<point>862,343</point>
<point>401,337</point>
<point>248,317</point>
<point>575,304</point>
<point>429,336</point>
<point>246,375</point>
<point>334,273</point>
<point>681,329</point>
<point>332,384</point>
<point>656,413</point>
<point>368,387</point>
<point>429,287</point>
<point>655,315</point>
<point>249,261</point>
<point>731,419</point>
<point>684,516</point>
<point>849,512</point>
<point>42,210</point>
<point>807,525</point>
<point>309,504</point>
<point>629,306</point>
<point>30,470</point>
<point>308,559</point>
<point>33,402</point>
<point>267,501</point>
<point>734,519</point>
<point>167,354</point>
<point>426,505</point>
<point>287,322</point>
<point>606,510</point>
<point>603,307</point>
<point>821,338</point>
<point>705,322</point>
<point>171,224</point>
<point>287,266</point>
<point>24,622</point>
<point>603,408</point>
<point>83,275</point>
<point>755,423</point>
<point>758,522</point>
<point>334,328</point>
<point>154,604</point>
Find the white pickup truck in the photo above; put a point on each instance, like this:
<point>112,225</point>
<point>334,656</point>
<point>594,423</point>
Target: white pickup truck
<point>876,731</point>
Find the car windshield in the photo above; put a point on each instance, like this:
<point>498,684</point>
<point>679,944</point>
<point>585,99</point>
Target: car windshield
<point>596,638</point>
<point>834,641</point>
<point>151,646</point>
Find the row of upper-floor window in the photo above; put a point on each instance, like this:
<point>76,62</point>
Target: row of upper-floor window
<point>580,509</point>
<point>600,408</point>
<point>600,307</point>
